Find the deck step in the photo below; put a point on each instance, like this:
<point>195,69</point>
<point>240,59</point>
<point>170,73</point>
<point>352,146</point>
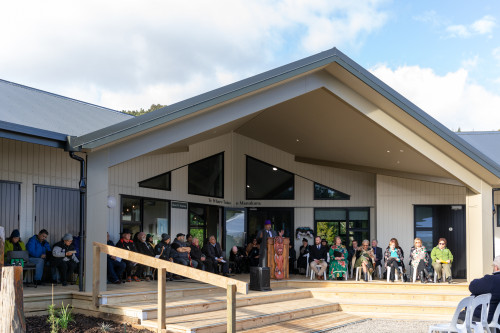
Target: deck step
<point>418,308</point>
<point>192,305</point>
<point>248,317</point>
<point>313,324</point>
<point>340,294</point>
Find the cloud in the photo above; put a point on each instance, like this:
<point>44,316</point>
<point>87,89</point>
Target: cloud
<point>452,98</point>
<point>129,54</point>
<point>483,26</point>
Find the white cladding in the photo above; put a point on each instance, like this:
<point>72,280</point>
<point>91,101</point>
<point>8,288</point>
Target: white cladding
<point>32,164</point>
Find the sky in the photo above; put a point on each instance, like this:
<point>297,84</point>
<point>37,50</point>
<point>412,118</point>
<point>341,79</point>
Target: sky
<point>444,56</point>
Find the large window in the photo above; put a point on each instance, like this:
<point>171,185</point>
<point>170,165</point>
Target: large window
<point>160,182</point>
<point>322,192</point>
<point>145,214</point>
<point>206,177</point>
<point>268,182</point>
<point>204,221</point>
<point>348,223</point>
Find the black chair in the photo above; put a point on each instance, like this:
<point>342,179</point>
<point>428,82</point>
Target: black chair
<point>24,255</point>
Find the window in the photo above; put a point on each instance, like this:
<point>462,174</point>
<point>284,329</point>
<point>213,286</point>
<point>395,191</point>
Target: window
<point>206,177</point>
<point>348,223</point>
<point>322,192</point>
<point>145,214</point>
<point>498,216</point>
<point>424,225</point>
<point>160,182</point>
<point>267,182</point>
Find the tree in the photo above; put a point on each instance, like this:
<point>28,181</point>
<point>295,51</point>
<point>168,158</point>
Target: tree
<point>142,111</point>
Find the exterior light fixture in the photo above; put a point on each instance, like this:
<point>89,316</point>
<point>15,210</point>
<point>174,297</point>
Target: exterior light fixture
<point>111,203</point>
<point>275,169</point>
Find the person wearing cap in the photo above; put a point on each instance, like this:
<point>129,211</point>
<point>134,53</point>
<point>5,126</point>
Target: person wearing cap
<point>262,237</point>
<point>64,259</point>
<point>38,247</point>
<point>116,266</point>
<point>302,260</point>
<point>163,249</point>
<point>127,244</point>
<point>181,252</point>
<point>13,243</point>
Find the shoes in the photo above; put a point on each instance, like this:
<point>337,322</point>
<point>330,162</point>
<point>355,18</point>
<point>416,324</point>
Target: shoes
<point>448,279</point>
<point>422,278</point>
<point>136,279</point>
<point>129,279</point>
<point>117,282</point>
<point>226,275</point>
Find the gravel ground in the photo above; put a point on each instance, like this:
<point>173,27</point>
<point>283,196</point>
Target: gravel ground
<point>385,325</point>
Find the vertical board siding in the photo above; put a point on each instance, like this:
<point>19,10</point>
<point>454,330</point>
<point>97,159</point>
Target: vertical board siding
<point>57,210</point>
<point>396,198</point>
<point>9,206</point>
<point>30,164</point>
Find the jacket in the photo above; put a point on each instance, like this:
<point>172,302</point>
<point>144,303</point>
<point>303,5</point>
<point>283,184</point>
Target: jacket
<point>315,253</point>
<point>126,245</point>
<point>59,252</point>
<point>444,254</point>
<point>213,252</point>
<point>195,252</point>
<point>10,247</point>
<point>144,248</point>
<point>387,255</point>
<point>163,250</point>
<point>35,248</point>
<point>487,284</point>
<point>176,254</point>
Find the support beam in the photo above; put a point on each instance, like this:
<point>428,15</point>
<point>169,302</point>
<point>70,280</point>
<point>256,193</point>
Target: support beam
<point>11,301</point>
<point>231,308</point>
<point>96,276</point>
<point>162,286</point>
<point>2,245</point>
<point>479,214</point>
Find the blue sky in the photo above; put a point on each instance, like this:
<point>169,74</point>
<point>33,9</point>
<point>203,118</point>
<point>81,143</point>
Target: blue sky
<point>442,55</point>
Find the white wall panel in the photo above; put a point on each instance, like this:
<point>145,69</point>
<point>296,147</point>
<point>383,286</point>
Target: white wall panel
<point>395,200</point>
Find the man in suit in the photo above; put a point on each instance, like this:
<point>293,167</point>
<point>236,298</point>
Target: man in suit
<point>317,257</point>
<point>215,257</point>
<point>377,251</point>
<point>351,251</point>
<point>262,237</point>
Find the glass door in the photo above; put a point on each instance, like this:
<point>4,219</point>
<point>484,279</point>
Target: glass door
<point>235,219</point>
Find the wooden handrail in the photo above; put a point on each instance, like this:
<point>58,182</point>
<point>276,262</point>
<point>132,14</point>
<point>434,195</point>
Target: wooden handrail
<point>163,266</point>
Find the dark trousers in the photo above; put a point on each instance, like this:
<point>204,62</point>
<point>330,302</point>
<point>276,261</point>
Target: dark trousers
<point>66,269</point>
<point>115,269</point>
<point>421,268</point>
<point>394,264</point>
<point>213,266</point>
<point>129,266</point>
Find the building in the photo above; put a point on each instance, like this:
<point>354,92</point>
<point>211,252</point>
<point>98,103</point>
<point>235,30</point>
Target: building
<point>319,143</point>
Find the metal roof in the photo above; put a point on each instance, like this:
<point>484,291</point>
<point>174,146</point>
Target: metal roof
<point>38,109</point>
<point>486,142</point>
<point>263,80</point>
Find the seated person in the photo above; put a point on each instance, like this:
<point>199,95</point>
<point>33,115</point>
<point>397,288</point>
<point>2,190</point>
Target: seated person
<point>116,266</point>
<point>292,257</point>
<point>127,244</point>
<point>38,247</point>
<point>13,243</point>
<point>338,260</point>
<point>189,239</point>
<point>196,254</point>
<point>317,257</point>
<point>377,251</point>
<point>253,253</point>
<point>393,257</point>
<point>489,284</point>
<point>441,260</point>
<point>324,243</point>
<point>149,239</point>
<point>180,252</point>
<point>64,259</point>
<point>236,260</point>
<point>143,247</point>
<point>215,257</point>
<point>364,258</point>
<point>419,259</point>
<point>350,252</point>
<point>163,248</point>
<point>302,260</point>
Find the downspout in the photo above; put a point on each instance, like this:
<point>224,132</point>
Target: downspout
<point>83,190</point>
<point>494,211</point>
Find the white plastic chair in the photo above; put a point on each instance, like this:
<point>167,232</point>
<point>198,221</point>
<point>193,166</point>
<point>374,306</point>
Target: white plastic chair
<point>454,326</point>
<point>443,276</point>
<point>389,268</point>
<point>313,273</point>
<point>379,271</point>
<point>358,274</point>
<point>479,326</point>
<point>415,276</point>
<point>494,321</point>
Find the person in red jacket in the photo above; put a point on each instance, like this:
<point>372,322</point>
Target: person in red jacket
<point>127,244</point>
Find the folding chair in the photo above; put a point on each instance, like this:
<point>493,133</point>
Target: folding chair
<point>479,326</point>
<point>454,326</point>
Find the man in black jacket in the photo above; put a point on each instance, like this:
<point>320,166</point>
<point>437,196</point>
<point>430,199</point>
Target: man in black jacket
<point>163,248</point>
<point>143,247</point>
<point>196,254</point>
<point>488,284</point>
<point>215,257</point>
<point>127,244</point>
<point>317,257</point>
<point>115,266</point>
<point>377,251</point>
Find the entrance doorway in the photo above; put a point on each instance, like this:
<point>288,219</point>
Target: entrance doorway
<point>444,221</point>
<point>348,223</point>
<point>204,221</point>
<point>235,228</point>
<point>281,219</point>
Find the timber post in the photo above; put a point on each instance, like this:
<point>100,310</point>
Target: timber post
<point>95,276</point>
<point>162,285</point>
<point>11,300</point>
<point>2,244</point>
<point>231,308</point>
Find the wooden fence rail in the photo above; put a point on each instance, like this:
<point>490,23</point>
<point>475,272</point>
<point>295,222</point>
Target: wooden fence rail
<point>232,285</point>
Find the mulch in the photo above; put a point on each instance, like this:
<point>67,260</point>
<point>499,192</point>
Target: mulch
<point>82,324</point>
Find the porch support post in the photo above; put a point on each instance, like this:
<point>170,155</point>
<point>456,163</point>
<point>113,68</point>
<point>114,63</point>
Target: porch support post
<point>162,286</point>
<point>479,214</point>
<point>231,308</point>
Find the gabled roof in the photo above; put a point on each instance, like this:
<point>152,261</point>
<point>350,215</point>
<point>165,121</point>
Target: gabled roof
<point>486,142</point>
<point>38,109</point>
<point>266,79</point>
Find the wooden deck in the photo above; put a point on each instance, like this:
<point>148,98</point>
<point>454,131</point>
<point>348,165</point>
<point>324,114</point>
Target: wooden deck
<point>290,306</point>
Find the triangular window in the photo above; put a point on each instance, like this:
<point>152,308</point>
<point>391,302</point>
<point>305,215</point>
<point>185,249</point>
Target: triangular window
<point>160,182</point>
<point>322,192</point>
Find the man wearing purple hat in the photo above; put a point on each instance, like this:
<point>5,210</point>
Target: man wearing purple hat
<point>262,237</point>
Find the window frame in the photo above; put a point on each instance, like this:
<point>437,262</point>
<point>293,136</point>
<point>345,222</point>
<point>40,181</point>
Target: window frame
<point>141,203</point>
<point>222,175</point>
<point>272,166</point>
<point>169,173</point>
